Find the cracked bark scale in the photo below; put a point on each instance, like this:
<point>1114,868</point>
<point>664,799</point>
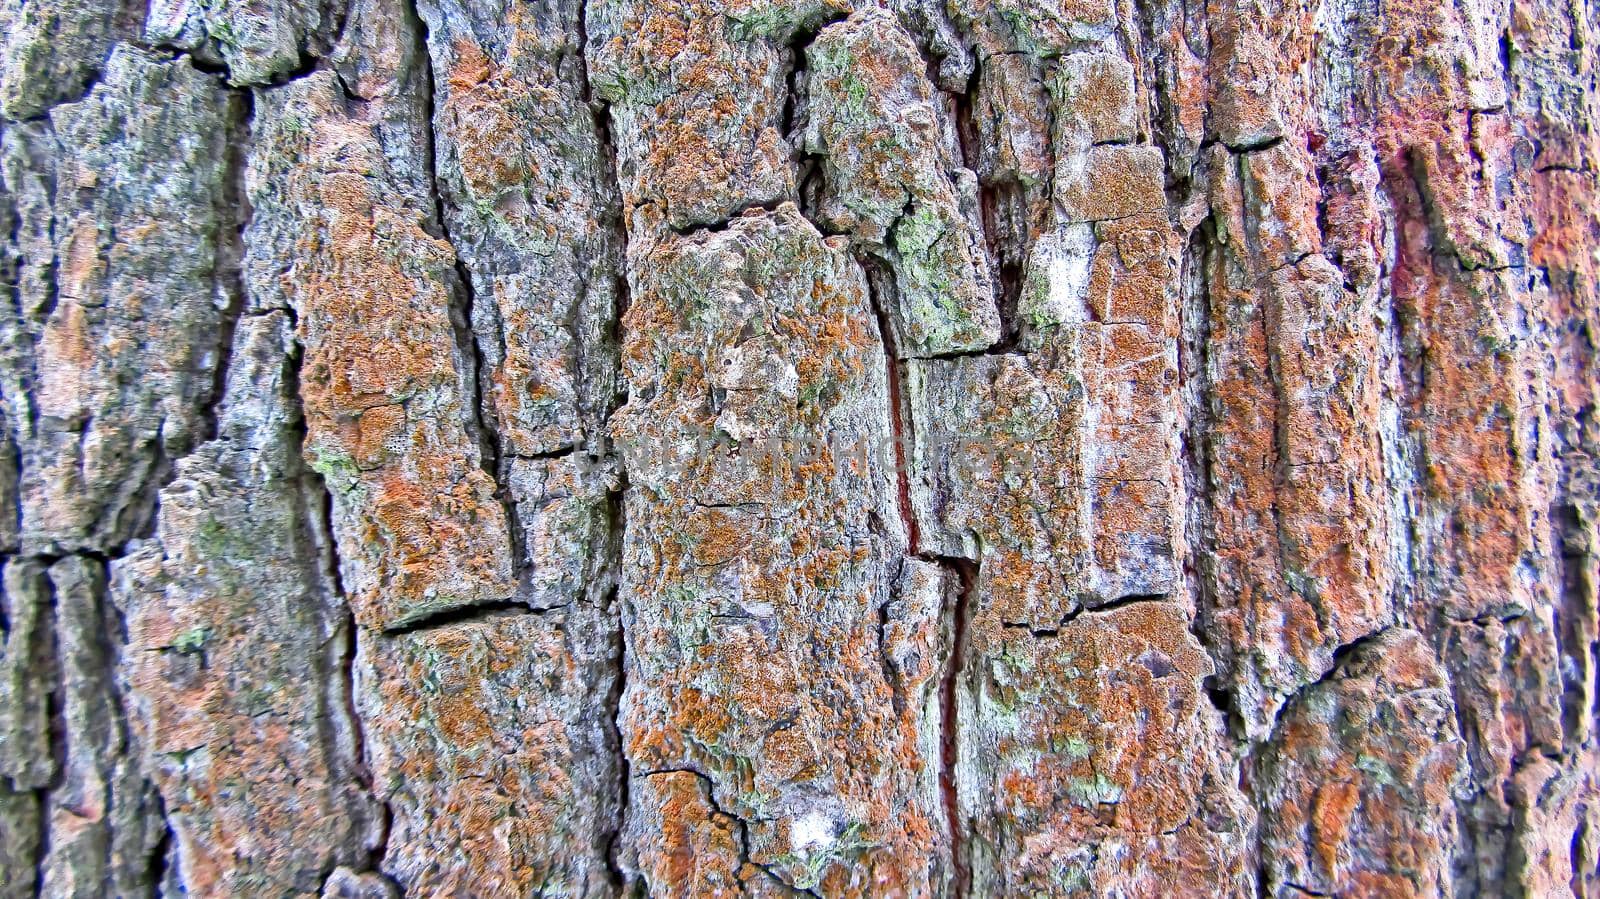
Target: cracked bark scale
<point>714,447</point>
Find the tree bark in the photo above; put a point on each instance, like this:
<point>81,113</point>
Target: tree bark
<point>721,447</point>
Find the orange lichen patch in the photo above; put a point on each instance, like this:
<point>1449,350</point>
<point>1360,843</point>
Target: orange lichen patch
<point>1280,187</point>
<point>471,68</point>
<point>67,341</point>
<point>82,264</point>
<point>1246,109</point>
<point>1449,162</point>
<point>1111,182</point>
<point>1469,421</point>
<point>1124,292</point>
<point>377,427</point>
<point>1567,229</point>
<point>1098,89</point>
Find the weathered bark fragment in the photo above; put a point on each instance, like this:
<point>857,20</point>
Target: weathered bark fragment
<point>1089,760</point>
<point>257,42</point>
<point>387,388</point>
<point>26,759</point>
<point>697,94</point>
<point>485,744</point>
<point>893,182</point>
<point>120,296</point>
<point>762,539</point>
<point>104,823</point>
<point>236,638</point>
<point>1294,415</point>
<point>530,203</point>
<point>54,51</point>
<point>1363,770</point>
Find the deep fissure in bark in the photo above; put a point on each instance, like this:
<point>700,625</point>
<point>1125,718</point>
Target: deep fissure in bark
<point>960,615</point>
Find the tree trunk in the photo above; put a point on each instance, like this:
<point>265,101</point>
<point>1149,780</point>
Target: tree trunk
<point>714,447</point>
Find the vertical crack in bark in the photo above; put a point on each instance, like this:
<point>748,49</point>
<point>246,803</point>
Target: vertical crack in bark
<point>613,714</point>
<point>112,639</point>
<point>161,856</point>
<point>1575,592</point>
<point>233,213</point>
<point>878,280</point>
<point>965,570</point>
<point>314,510</point>
<point>55,705</point>
<point>1006,257</point>
<point>1403,393</point>
<point>615,851</point>
<point>1194,378</point>
<point>949,746</point>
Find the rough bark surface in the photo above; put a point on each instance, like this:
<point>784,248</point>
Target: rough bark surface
<point>826,447</point>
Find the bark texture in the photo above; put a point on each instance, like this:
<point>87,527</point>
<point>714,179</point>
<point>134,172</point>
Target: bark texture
<point>839,447</point>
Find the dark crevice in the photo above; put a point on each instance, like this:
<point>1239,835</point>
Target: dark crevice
<point>234,204</point>
<point>899,411</point>
<point>1336,665</point>
<point>966,571</point>
<point>1253,147</point>
<point>109,639</point>
<point>960,615</point>
<point>1574,616</point>
<point>349,634</point>
<point>742,825</point>
<point>619,685</point>
<point>457,615</point>
<point>161,855</point>
<point>314,509</point>
<point>1194,378</point>
<point>722,224</point>
<point>1007,346</point>
<point>1221,699</point>
<point>55,710</point>
<point>616,853</point>
<point>968,138</point>
<point>565,451</point>
<point>1575,856</point>
<point>1073,615</point>
<point>800,40</point>
<point>1002,214</point>
<point>891,678</point>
